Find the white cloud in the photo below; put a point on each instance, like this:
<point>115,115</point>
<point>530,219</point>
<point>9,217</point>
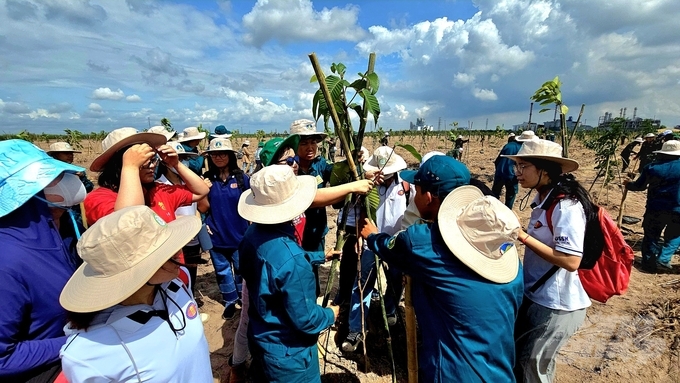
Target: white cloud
<point>133,98</point>
<point>43,113</point>
<point>107,94</point>
<point>94,107</point>
<point>422,111</point>
<point>463,79</point>
<point>484,94</point>
<point>400,112</point>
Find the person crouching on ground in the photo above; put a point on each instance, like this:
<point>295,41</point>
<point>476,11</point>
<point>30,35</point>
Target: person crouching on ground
<point>285,320</point>
<point>466,275</point>
<point>131,318</point>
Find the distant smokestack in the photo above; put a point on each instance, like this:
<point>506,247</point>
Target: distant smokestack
<point>634,113</point>
<point>621,112</point>
<point>624,112</point>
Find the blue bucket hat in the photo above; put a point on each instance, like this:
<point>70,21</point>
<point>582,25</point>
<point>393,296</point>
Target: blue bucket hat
<point>25,170</point>
<point>221,132</point>
<point>439,175</point>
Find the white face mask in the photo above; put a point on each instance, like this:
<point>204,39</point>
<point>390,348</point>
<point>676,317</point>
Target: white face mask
<point>67,192</point>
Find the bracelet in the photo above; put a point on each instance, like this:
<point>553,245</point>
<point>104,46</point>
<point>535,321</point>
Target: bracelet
<point>524,241</point>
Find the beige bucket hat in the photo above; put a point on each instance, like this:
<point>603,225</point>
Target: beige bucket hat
<point>481,232</point>
<point>545,150</point>
<point>306,127</point>
<point>191,133</point>
<point>179,148</point>
<point>386,160</point>
<point>160,129</point>
<point>276,195</point>
<point>639,140</point>
<point>62,147</point>
<point>527,135</point>
<point>121,138</point>
<point>121,252</point>
<point>670,147</point>
<point>219,145</point>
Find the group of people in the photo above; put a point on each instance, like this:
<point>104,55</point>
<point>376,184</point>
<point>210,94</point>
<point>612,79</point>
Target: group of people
<point>115,301</point>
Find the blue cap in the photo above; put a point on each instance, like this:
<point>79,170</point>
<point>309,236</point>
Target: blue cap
<point>439,175</point>
<point>25,170</point>
<point>220,129</point>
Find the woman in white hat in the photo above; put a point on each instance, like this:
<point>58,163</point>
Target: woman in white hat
<point>627,151</point>
<point>63,151</point>
<point>555,302</point>
<point>130,318</point>
<point>646,153</point>
<point>285,320</point>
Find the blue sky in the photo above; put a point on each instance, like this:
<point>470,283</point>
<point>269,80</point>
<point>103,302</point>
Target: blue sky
<point>99,65</point>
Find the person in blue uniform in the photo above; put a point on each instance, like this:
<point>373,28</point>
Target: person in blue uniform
<point>285,319</point>
<point>504,175</point>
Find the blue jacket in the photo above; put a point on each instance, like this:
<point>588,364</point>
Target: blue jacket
<point>34,267</point>
<point>504,170</point>
<point>316,227</point>
<point>469,320</point>
<point>196,163</point>
<point>284,317</point>
<point>223,219</point>
<point>662,178</point>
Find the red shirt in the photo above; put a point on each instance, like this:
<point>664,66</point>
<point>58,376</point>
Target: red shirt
<point>299,224</point>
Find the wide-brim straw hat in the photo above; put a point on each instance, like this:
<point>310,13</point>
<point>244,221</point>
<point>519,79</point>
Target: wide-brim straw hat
<point>191,133</point>
<point>160,129</point>
<point>670,147</point>
<point>527,135</point>
<point>481,232</point>
<point>121,252</point>
<point>385,159</point>
<point>306,127</point>
<point>121,138</point>
<point>25,170</point>
<point>276,195</point>
<point>179,148</point>
<point>62,147</point>
<point>544,150</point>
<point>219,145</point>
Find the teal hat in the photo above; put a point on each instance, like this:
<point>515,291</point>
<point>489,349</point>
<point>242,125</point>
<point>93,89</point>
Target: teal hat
<point>25,170</point>
<point>260,144</point>
<point>270,150</point>
<point>439,175</point>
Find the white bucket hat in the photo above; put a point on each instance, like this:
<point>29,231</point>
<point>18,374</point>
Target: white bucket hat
<point>545,150</point>
<point>650,135</point>
<point>480,231</point>
<point>246,142</point>
<point>670,147</point>
<point>191,133</point>
<point>306,128</point>
<point>386,160</point>
<point>62,147</point>
<point>526,135</point>
<point>121,138</point>
<point>219,145</point>
<point>160,129</point>
<point>179,148</point>
<point>121,252</point>
<point>276,195</point>
<point>639,139</point>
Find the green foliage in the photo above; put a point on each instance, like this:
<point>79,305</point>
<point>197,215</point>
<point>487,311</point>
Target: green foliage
<point>605,144</point>
<point>549,93</point>
<point>73,138</point>
<point>411,150</point>
<point>165,122</point>
<point>26,136</point>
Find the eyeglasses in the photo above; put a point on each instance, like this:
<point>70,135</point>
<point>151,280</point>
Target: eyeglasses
<point>290,161</point>
<point>519,169</point>
<point>153,162</point>
<point>219,154</point>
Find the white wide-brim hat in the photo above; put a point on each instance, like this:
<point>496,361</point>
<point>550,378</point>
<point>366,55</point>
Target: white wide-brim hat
<point>639,140</point>
<point>527,135</point>
<point>121,138</point>
<point>545,150</point>
<point>219,145</point>
<point>191,133</point>
<point>62,147</point>
<point>650,135</point>
<point>670,147</point>
<point>276,195</point>
<point>121,252</point>
<point>480,231</point>
<point>385,159</point>
<point>160,129</point>
<point>179,148</point>
<point>306,127</point>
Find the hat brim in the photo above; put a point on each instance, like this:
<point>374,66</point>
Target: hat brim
<point>567,164</point>
<point>668,153</point>
<point>293,141</point>
<point>285,211</point>
<point>88,291</point>
<point>501,270</point>
<point>21,186</point>
<point>520,139</point>
<point>153,139</point>
<point>321,136</point>
<point>398,165</point>
<point>63,151</point>
<point>408,176</point>
<point>199,136</point>
<point>187,154</point>
<point>226,135</point>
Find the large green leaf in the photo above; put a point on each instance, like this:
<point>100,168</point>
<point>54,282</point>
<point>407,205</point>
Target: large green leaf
<point>565,109</point>
<point>412,150</point>
<point>372,202</point>
<point>374,82</point>
<point>372,104</point>
<point>544,110</point>
<point>340,174</point>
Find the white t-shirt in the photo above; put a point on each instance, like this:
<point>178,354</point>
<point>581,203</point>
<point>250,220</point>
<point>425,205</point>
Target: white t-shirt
<point>563,291</point>
<point>105,352</point>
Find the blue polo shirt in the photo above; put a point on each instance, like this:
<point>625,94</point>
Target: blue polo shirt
<point>469,320</point>
<point>316,226</point>
<point>223,219</point>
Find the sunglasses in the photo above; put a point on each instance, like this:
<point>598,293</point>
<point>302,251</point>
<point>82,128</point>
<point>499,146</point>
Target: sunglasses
<point>153,162</point>
<point>219,155</point>
<point>290,161</point>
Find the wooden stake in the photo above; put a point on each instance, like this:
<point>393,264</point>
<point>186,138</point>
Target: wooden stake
<point>619,220</point>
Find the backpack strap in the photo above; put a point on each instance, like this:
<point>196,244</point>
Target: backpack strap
<point>551,201</point>
<point>407,191</point>
<point>542,280</point>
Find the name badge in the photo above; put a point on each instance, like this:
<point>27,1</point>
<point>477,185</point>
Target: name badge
<point>319,180</point>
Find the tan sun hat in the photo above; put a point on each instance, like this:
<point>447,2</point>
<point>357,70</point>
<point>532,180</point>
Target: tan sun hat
<point>386,160</point>
<point>121,138</point>
<point>670,147</point>
<point>544,150</point>
<point>306,127</point>
<point>650,135</point>
<point>219,145</point>
<point>179,148</point>
<point>121,252</point>
<point>191,133</point>
<point>62,147</point>
<point>276,195</point>
<point>480,231</point>
<point>160,129</point>
<point>527,135</point>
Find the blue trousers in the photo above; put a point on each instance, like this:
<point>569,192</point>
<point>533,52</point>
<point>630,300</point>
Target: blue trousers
<point>511,189</point>
<point>654,250</point>
<point>228,281</point>
<point>368,276</point>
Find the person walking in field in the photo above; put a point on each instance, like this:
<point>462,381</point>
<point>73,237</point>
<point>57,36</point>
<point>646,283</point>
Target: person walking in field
<point>627,151</point>
<point>458,147</point>
<point>246,159</point>
<point>646,155</point>
<point>505,177</point>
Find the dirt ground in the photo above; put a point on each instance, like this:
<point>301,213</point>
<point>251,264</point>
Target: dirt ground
<point>635,337</point>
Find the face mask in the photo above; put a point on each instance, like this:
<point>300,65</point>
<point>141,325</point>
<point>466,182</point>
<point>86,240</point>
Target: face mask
<point>69,188</point>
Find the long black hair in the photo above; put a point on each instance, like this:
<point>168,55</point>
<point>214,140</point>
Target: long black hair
<point>214,172</point>
<point>110,176</point>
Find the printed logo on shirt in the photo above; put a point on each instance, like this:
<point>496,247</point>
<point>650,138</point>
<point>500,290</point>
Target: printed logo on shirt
<point>192,310</point>
<point>561,239</point>
<point>400,192</point>
<point>233,186</point>
<point>538,224</point>
<point>162,205</point>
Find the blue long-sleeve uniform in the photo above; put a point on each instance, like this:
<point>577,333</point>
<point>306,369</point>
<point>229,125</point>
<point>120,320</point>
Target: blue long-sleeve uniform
<point>662,179</point>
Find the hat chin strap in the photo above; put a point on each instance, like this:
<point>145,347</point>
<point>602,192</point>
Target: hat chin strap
<point>525,200</point>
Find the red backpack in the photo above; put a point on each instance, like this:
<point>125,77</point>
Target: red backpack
<point>607,258</point>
